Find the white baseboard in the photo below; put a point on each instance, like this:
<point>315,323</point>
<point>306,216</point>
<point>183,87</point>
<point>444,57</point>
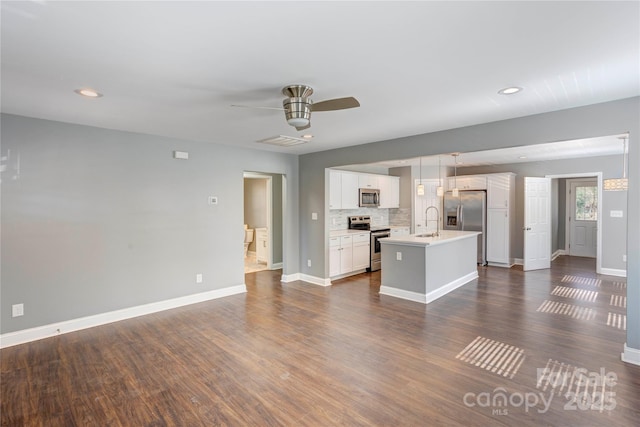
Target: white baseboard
<point>558,253</point>
<point>276,266</point>
<point>631,355</point>
<point>443,290</point>
<point>613,272</point>
<point>499,264</point>
<point>53,329</point>
<point>401,293</point>
<point>431,296</point>
<point>286,278</point>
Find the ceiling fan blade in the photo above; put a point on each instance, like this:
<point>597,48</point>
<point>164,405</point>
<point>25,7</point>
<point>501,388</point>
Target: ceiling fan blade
<point>335,104</point>
<point>261,108</point>
<point>303,127</point>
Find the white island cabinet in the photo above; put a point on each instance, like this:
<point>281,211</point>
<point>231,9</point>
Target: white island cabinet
<point>423,269</point>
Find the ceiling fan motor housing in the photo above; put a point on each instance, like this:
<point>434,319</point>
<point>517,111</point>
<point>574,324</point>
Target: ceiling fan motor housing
<point>297,110</point>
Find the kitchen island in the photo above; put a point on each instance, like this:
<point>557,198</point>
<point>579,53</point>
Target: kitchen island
<point>422,269</point>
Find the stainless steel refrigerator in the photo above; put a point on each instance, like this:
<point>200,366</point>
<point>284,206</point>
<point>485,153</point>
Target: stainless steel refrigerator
<point>468,212</point>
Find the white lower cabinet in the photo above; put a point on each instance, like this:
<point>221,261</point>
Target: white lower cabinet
<point>361,252</point>
<point>262,244</point>
<point>498,236</point>
<point>348,253</point>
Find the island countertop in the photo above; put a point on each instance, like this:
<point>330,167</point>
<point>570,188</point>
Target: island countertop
<point>446,236</point>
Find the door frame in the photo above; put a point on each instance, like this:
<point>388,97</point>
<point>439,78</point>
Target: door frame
<point>269,213</point>
<point>598,176</point>
<point>569,209</point>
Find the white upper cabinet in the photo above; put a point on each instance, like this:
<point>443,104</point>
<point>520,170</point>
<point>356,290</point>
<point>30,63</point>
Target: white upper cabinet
<point>368,180</point>
<point>389,191</point>
<point>343,190</point>
<point>344,186</point>
<point>335,189</point>
<point>499,187</point>
<point>468,182</point>
<point>349,190</point>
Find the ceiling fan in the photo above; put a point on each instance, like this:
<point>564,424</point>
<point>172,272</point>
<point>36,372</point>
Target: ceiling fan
<point>298,107</point>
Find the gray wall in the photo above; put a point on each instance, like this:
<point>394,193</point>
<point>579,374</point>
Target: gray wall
<point>608,118</point>
<point>614,230</point>
<point>100,220</point>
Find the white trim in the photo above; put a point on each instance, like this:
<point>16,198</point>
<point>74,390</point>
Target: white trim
<point>315,280</point>
<point>276,266</point>
<point>287,278</point>
<point>53,329</point>
<point>631,355</point>
<point>558,253</point>
<point>613,272</point>
<point>598,176</point>
<point>431,296</point>
<point>401,293</point>
<point>443,290</point>
<point>517,261</point>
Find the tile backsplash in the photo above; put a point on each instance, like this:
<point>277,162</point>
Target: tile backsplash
<point>339,219</point>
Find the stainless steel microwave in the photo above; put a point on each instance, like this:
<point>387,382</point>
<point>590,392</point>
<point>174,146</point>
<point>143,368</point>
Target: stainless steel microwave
<point>368,198</point>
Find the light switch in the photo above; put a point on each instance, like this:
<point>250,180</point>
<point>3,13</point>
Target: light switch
<point>314,216</point>
<point>399,256</point>
<point>616,214</point>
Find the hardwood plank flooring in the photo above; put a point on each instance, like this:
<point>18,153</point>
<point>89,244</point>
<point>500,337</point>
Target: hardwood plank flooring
<point>302,355</point>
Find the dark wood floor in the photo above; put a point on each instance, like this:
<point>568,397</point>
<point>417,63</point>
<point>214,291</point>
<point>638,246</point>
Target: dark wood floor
<point>302,355</point>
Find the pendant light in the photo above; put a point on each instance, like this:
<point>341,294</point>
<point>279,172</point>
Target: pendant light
<point>420,187</point>
<point>455,192</point>
<point>440,189</point>
<point>619,184</point>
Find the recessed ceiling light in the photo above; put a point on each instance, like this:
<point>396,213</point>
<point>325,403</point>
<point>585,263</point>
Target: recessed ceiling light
<point>307,136</point>
<point>522,157</point>
<point>88,92</point>
<point>509,90</point>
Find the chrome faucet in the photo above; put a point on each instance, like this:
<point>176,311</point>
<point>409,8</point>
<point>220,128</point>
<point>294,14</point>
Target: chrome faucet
<point>426,219</point>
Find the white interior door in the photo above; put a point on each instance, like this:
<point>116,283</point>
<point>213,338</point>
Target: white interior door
<point>583,218</point>
<point>537,223</point>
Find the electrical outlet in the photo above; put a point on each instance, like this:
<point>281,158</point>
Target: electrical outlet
<point>213,200</point>
<point>308,263</point>
<point>624,258</point>
<point>399,256</point>
<point>199,278</point>
<point>17,310</point>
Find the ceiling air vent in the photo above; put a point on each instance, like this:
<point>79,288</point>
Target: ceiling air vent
<point>283,141</point>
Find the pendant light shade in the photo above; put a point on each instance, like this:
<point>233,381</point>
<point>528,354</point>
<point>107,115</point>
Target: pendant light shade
<point>455,192</point>
<point>420,186</point>
<point>619,184</point>
<point>440,189</point>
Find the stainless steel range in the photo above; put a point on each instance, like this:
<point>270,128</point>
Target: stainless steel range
<point>363,222</point>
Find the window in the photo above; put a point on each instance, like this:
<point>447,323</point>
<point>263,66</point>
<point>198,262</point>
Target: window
<point>586,203</point>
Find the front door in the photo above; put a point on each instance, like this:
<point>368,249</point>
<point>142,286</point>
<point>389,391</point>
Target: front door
<point>583,218</point>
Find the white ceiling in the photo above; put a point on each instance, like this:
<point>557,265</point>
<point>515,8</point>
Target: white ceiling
<point>174,68</point>
<point>577,148</point>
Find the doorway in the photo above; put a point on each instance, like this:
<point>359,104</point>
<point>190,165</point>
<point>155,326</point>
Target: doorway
<point>263,220</point>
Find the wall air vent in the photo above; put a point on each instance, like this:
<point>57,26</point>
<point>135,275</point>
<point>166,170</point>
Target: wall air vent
<point>283,141</point>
